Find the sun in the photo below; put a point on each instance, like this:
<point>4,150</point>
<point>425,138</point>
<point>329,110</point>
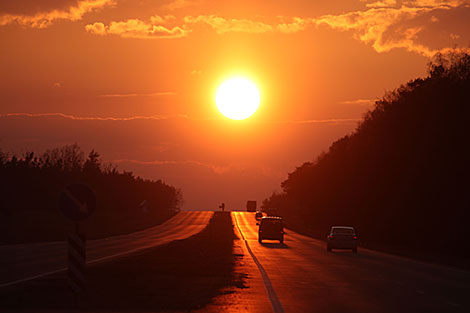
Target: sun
<point>237,98</point>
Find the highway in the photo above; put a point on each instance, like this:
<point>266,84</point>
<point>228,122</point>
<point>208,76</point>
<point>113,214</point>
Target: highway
<point>301,276</point>
<point>29,261</point>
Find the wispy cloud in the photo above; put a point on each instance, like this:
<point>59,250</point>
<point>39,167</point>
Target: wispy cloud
<point>317,121</point>
<point>294,25</point>
<point>168,117</point>
<point>361,102</point>
<point>179,4</point>
<point>217,169</point>
<point>222,25</point>
<point>158,27</point>
<point>131,95</point>
<point>88,118</point>
<point>382,4</point>
<point>135,28</point>
<point>45,17</point>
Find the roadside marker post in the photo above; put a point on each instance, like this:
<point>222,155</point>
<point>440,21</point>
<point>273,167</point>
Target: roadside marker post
<point>76,261</point>
<point>77,202</point>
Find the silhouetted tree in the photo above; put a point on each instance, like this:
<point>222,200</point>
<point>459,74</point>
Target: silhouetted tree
<point>92,164</point>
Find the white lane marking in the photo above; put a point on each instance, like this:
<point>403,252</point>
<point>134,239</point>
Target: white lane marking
<point>105,258</point>
<point>275,303</point>
<point>31,278</point>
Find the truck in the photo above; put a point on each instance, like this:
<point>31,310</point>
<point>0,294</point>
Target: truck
<point>251,206</point>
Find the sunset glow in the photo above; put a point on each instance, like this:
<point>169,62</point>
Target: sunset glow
<point>138,81</point>
<point>237,98</point>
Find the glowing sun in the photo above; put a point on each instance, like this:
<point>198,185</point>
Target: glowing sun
<point>237,98</point>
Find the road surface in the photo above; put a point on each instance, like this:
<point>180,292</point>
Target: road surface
<point>301,276</point>
<point>28,261</point>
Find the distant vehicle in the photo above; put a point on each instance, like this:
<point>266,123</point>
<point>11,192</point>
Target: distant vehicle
<point>342,237</point>
<point>271,228</point>
<point>258,215</point>
<point>251,206</point>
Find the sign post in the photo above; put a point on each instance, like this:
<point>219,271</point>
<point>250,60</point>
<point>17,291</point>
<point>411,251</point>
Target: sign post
<point>77,202</point>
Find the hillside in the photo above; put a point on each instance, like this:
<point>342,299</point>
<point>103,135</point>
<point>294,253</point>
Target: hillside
<point>401,178</point>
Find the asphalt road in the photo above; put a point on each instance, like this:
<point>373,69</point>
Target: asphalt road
<point>28,261</point>
<point>301,276</point>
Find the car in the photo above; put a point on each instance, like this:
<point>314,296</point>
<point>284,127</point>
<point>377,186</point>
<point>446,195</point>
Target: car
<point>272,228</point>
<point>258,215</point>
<point>342,237</point>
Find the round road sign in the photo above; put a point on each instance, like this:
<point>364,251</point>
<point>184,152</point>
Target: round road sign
<point>77,202</point>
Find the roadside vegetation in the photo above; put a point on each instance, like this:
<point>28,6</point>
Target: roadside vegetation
<point>30,187</point>
<point>401,178</point>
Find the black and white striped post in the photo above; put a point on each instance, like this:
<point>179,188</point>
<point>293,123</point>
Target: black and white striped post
<point>76,261</point>
<point>77,202</point>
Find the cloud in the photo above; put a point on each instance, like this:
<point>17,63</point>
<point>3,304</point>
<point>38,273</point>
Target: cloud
<point>388,28</point>
<point>168,117</point>
<point>85,118</point>
<point>435,3</point>
<point>296,25</point>
<point>382,4</point>
<point>154,29</point>
<point>35,16</point>
<point>217,169</point>
<point>222,25</point>
<point>135,28</point>
<point>384,24</point>
<point>322,121</point>
<point>130,95</point>
<point>178,4</point>
<point>361,102</point>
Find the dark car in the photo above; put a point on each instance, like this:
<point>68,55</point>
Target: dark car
<point>258,215</point>
<point>272,228</point>
<point>342,237</point>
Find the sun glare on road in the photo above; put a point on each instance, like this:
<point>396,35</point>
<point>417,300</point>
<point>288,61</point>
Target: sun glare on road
<point>237,98</point>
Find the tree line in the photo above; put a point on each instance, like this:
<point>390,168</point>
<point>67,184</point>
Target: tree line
<point>402,176</point>
<point>30,185</point>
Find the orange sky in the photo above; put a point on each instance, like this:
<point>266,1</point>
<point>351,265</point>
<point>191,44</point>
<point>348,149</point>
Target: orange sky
<point>136,80</point>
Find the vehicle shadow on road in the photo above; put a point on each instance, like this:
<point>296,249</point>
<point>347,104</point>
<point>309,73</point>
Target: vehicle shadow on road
<point>274,245</point>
